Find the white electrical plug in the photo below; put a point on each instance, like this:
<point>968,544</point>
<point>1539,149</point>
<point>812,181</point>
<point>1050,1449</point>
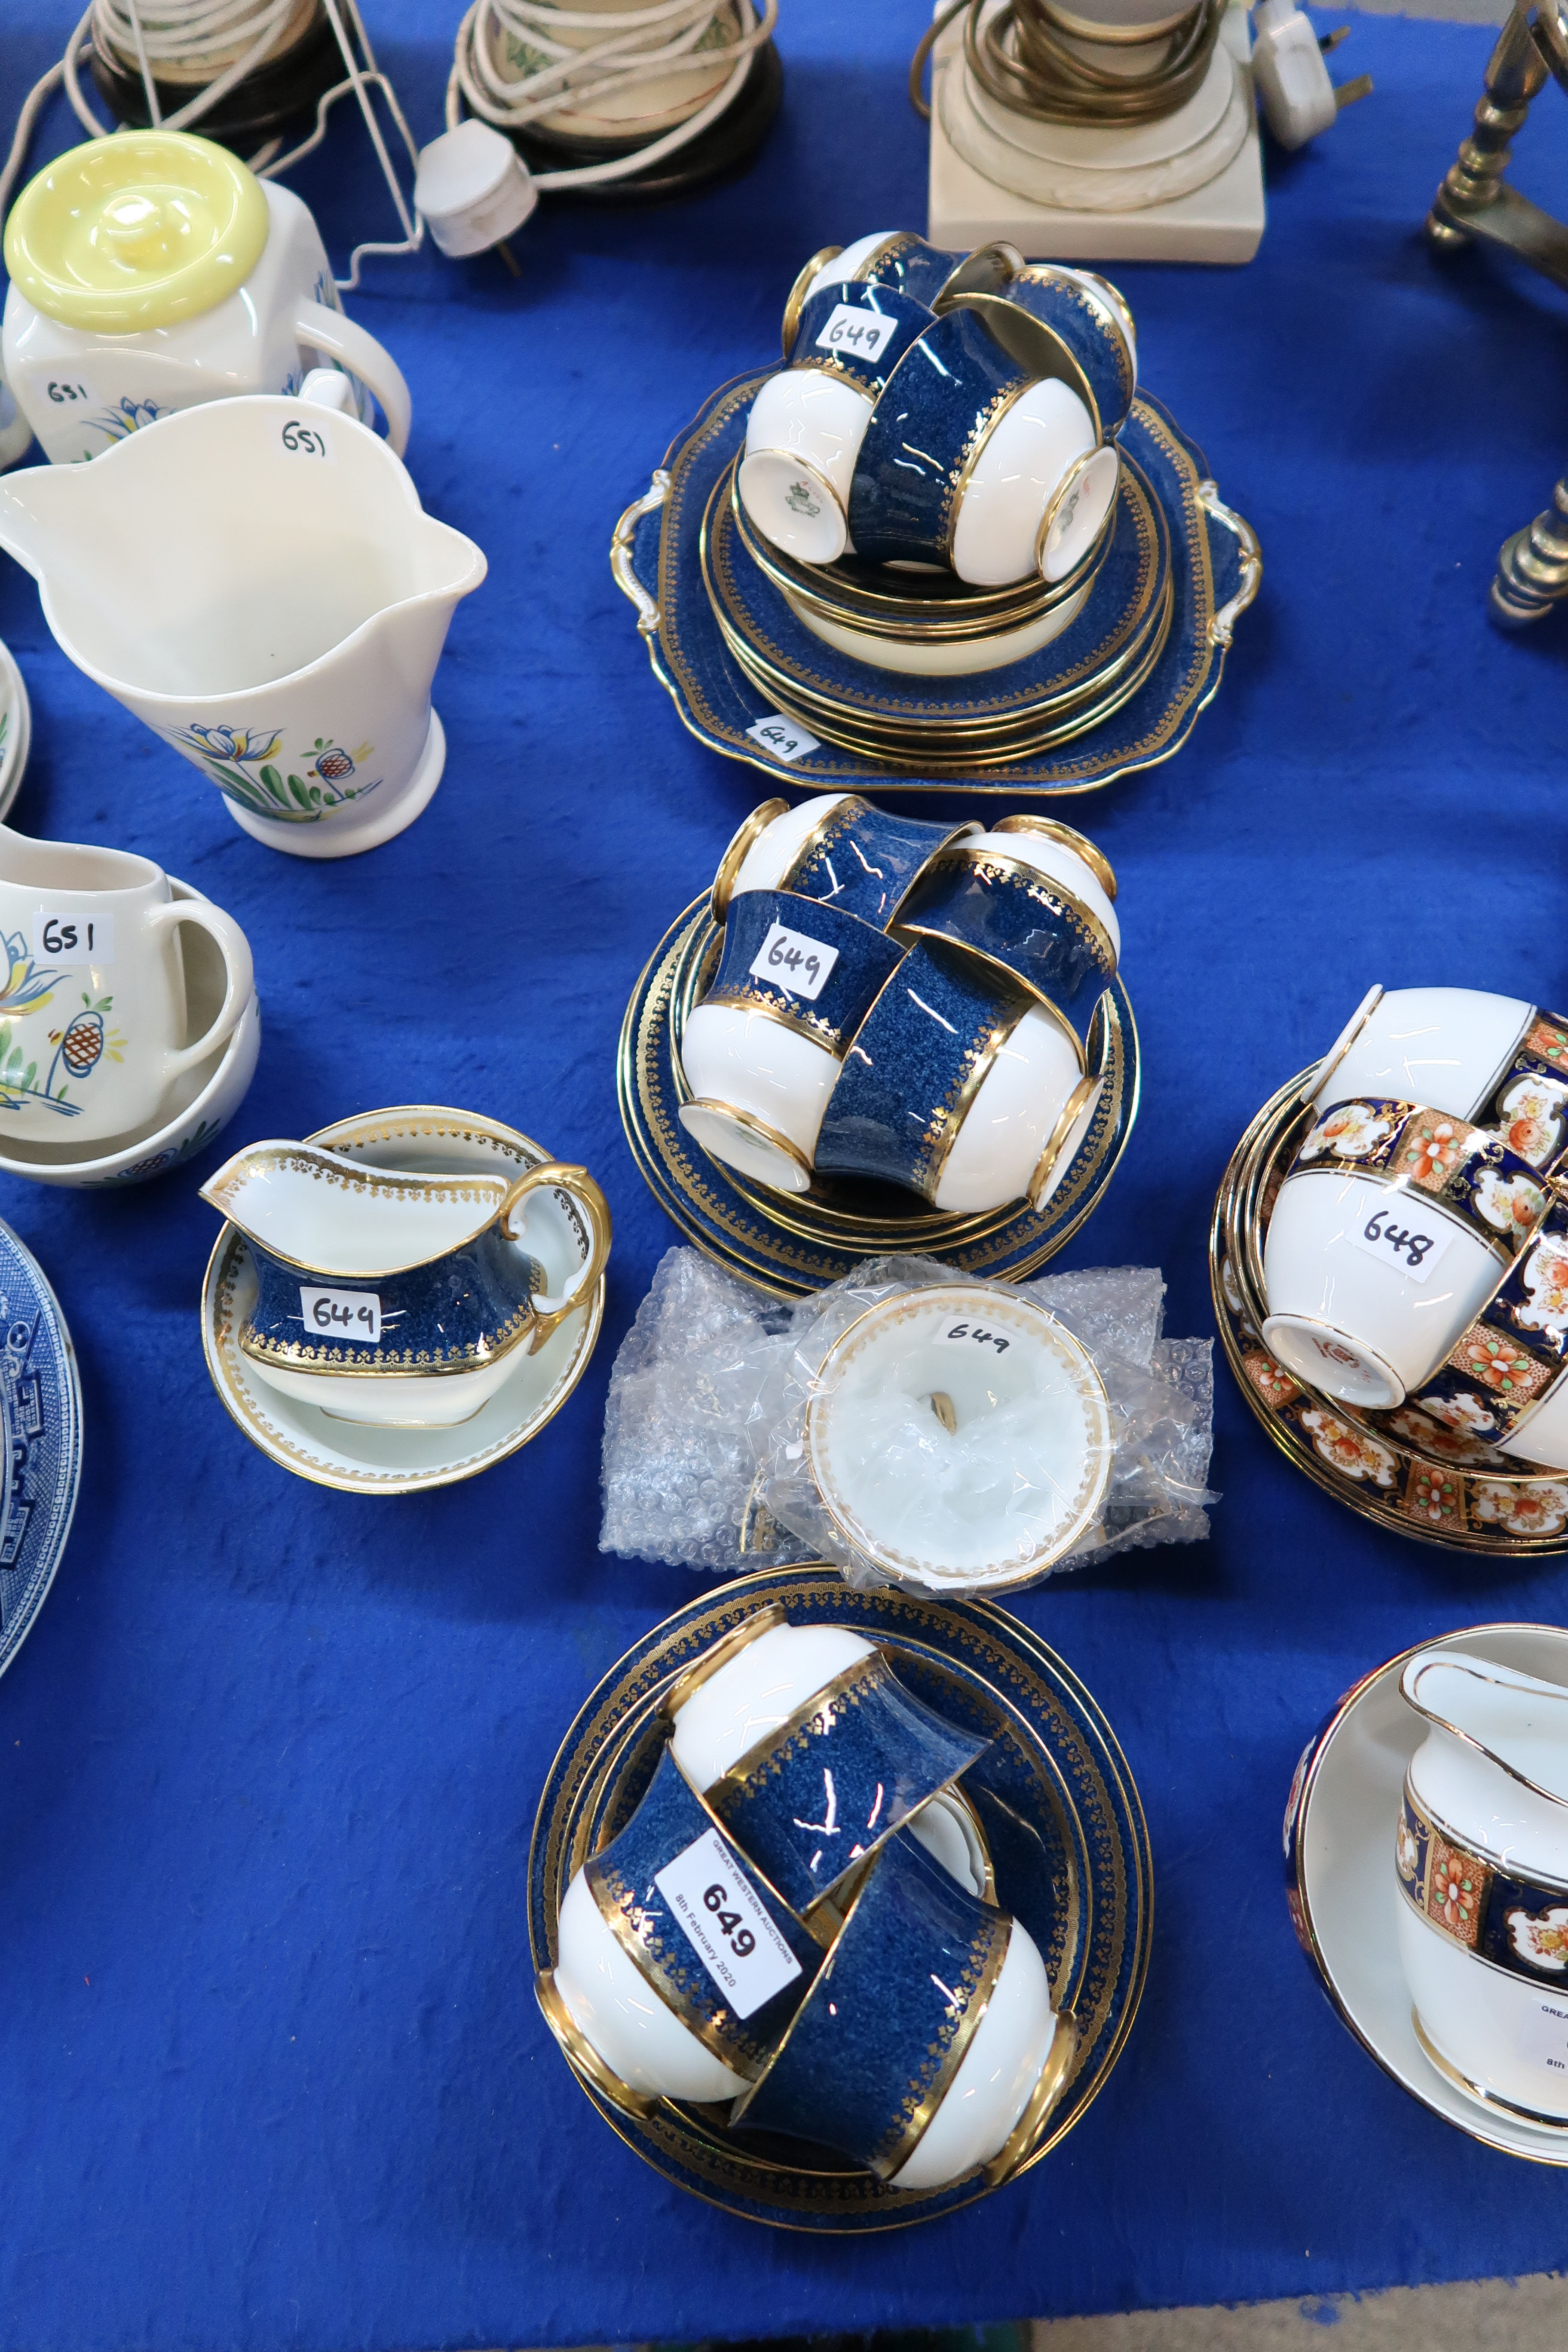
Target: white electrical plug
<point>1291,77</point>
<point>473,189</point>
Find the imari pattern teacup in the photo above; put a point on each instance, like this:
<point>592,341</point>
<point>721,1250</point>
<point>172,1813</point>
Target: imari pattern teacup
<point>1494,1060</point>
<point>1392,1228</point>
<point>1503,1379</point>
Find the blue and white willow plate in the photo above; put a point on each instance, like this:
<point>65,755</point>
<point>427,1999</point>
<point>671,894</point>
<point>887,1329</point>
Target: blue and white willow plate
<point>789,1243</point>
<point>656,557</point>
<point>41,1420</point>
<point>1055,1803</point>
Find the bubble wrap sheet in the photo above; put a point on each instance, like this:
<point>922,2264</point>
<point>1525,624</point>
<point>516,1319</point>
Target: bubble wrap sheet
<point>704,1465</point>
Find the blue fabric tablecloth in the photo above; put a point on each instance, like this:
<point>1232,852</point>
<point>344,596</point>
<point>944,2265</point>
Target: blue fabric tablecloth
<point>270,2069</point>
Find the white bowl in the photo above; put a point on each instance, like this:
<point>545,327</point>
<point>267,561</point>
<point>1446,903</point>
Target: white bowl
<point>617,2011</point>
<point>802,437</point>
<point>960,1438</point>
<point>943,658</point>
<point>1038,493</point>
<point>759,1092</point>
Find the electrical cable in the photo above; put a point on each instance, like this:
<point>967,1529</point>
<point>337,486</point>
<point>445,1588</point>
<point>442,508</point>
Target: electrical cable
<point>215,45</point>
<point>636,46</point>
<point>1032,60</point>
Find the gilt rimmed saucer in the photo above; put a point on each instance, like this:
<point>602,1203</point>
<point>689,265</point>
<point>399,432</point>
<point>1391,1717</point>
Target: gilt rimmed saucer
<point>1117,632</point>
<point>656,556</point>
<point>1340,1822</point>
<point>1402,1469</point>
<point>1060,1813</point>
<point>356,1456</point>
<point>16,730</point>
<point>792,1244</point>
<point>40,1415</point>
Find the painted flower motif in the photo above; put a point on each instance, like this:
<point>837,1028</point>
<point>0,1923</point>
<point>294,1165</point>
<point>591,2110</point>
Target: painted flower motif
<point>1452,1897</point>
<point>1538,1509</point>
<point>1434,1149</point>
<point>1348,1130</point>
<point>1545,1274</point>
<point>1464,1413</point>
<point>1407,1852</point>
<point>25,989</point>
<point>1511,1203</point>
<point>1433,1495</point>
<point>238,742</point>
<point>334,766</point>
<point>1499,1363</point>
<point>1428,1436</point>
<point>1350,1451</point>
<point>1548,1039</point>
<point>1543,1941</point>
<point>1272,1382</point>
<point>1531,1118</point>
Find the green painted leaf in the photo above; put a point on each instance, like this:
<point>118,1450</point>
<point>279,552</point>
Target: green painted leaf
<point>301,791</point>
<point>30,1074</point>
<point>274,783</point>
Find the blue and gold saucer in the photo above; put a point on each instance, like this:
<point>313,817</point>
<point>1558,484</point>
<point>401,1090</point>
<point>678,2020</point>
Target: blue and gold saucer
<point>1055,1805</point>
<point>656,558</point>
<point>789,1243</point>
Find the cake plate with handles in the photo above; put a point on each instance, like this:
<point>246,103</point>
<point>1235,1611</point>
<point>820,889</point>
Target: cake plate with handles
<point>356,1456</point>
<point>656,557</point>
<point>789,1244</point>
<point>1341,1819</point>
<point>1056,1805</point>
<point>1402,1469</point>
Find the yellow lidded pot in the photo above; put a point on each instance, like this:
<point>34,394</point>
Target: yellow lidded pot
<point>142,229</point>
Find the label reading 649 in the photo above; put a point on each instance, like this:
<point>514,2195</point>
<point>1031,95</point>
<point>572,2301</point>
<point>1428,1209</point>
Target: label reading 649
<point>970,1335</point>
<point>854,327</point>
<point>793,960</point>
<point>342,1315</point>
<point>725,1925</point>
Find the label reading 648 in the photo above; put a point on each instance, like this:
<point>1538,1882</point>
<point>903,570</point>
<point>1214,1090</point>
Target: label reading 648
<point>1398,1228</point>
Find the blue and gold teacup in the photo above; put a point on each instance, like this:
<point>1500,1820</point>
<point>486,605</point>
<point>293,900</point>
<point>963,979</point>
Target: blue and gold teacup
<point>1034,898</point>
<point>836,848</point>
<point>898,259</point>
<point>669,1909</point>
<point>1047,315</point>
<point>761,1053</point>
<point>396,1299</point>
<point>927,2049</point>
<point>810,1750</point>
<point>806,424</point>
<point>973,461</point>
<point>961,1085</point>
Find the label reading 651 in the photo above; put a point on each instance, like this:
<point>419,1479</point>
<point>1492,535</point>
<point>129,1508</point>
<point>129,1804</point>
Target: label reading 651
<point>793,960</point>
<point>1394,1229</point>
<point>342,1315</point>
<point>67,935</point>
<point>69,391</point>
<point>302,440</point>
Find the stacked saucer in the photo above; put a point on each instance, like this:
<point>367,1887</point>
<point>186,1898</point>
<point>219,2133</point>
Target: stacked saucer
<point>947,537</point>
<point>767,1066</point>
<point>723,1970</point>
<point>1441,1118</point>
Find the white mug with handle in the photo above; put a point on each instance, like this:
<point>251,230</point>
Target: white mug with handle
<point>92,991</point>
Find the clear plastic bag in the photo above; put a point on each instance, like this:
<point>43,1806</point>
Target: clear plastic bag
<point>707,1461</point>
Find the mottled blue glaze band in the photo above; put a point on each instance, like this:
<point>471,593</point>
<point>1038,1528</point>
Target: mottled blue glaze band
<point>810,1802</point>
<point>941,402</point>
<point>866,2062</point>
<point>622,1878</point>
<point>864,859</point>
<point>1086,323</point>
<point>865,959</point>
<point>927,273</point>
<point>914,1067</point>
<point>449,1315</point>
<point>842,356</point>
<point>1513,1923</point>
<point>1025,922</point>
